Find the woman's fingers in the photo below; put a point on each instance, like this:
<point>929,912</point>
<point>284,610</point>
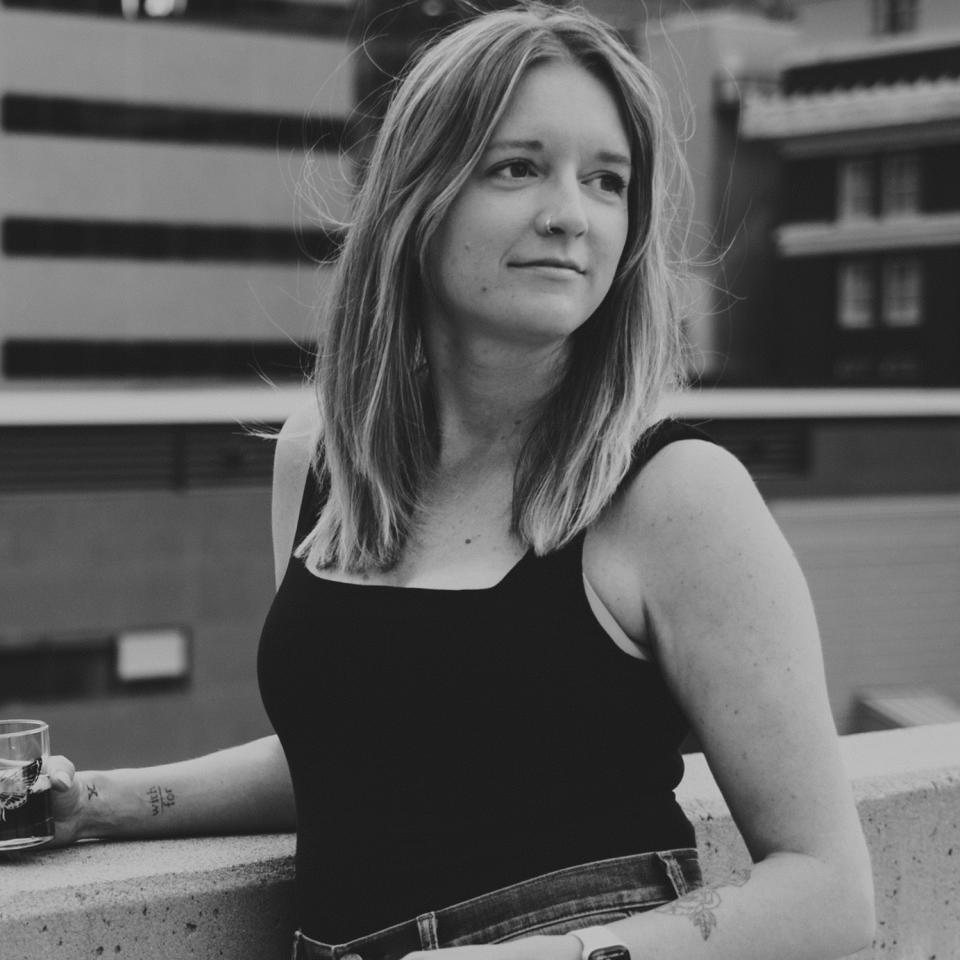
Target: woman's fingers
<point>66,800</point>
<point>61,772</point>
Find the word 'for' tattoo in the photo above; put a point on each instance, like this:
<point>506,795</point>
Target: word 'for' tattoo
<point>160,798</point>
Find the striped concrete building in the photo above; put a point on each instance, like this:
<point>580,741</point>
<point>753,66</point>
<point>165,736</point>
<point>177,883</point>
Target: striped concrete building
<point>157,198</point>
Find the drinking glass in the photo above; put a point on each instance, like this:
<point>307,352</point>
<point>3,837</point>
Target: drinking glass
<point>25,815</point>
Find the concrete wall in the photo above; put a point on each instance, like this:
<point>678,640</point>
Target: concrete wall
<point>827,21</point>
<point>823,21</point>
<point>98,562</point>
<point>883,573</point>
<point>231,896</point>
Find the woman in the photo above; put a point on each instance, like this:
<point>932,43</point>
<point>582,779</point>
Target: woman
<point>504,588</point>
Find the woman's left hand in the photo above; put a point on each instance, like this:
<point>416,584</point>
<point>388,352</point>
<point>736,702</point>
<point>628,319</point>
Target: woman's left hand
<point>526,948</point>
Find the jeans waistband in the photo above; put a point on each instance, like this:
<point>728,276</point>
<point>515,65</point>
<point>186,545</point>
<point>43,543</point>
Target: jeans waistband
<point>656,877</point>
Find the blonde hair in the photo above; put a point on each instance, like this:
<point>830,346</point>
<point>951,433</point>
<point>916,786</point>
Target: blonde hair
<point>379,437</point>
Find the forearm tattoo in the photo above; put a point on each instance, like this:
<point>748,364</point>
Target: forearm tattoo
<point>160,799</point>
<point>699,905</point>
<point>92,791</point>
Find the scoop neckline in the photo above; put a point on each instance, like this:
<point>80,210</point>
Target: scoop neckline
<point>421,590</point>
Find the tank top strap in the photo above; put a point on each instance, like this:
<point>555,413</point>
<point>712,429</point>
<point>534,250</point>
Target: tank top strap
<point>311,502</point>
<point>565,565</point>
<point>661,434</point>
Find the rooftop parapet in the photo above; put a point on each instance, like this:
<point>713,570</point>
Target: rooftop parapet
<point>231,896</point>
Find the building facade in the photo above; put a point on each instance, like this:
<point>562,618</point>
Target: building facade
<point>866,130</point>
<point>164,167</point>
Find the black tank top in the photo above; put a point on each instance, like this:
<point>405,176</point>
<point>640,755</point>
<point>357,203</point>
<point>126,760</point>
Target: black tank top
<point>445,743</point>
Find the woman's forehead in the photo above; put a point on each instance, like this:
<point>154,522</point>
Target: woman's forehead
<point>561,100</point>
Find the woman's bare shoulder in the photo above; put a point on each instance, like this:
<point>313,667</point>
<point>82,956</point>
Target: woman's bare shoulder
<point>689,490</point>
<point>295,447</point>
<point>701,541</point>
<point>651,537</point>
<point>298,437</point>
<point>690,485</point>
<point>694,511</point>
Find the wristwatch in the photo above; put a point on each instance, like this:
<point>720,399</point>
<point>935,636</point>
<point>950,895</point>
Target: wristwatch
<point>601,943</point>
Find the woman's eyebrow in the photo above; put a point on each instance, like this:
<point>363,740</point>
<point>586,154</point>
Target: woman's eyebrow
<point>609,156</point>
<point>536,146</point>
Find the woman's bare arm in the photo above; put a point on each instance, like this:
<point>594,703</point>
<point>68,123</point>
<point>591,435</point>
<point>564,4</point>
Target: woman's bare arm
<point>736,636</point>
<point>242,789</point>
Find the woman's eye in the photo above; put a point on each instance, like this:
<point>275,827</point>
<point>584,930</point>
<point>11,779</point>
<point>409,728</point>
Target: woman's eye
<point>514,170</point>
<point>612,183</point>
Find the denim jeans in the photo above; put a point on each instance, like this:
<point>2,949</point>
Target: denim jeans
<point>554,903</point>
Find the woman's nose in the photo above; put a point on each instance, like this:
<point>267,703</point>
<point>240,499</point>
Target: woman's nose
<point>563,211</point>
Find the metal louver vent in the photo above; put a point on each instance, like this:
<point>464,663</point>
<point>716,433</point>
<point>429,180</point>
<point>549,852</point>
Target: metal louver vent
<point>224,455</point>
<point>769,449</point>
<point>40,459</point>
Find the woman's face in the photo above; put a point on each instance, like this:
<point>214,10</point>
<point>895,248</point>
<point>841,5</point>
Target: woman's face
<point>528,249</point>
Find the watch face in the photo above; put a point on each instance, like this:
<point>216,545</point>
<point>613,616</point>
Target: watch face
<point>615,952</point>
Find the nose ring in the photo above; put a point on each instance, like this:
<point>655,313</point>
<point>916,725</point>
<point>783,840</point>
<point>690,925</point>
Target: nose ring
<point>548,226</point>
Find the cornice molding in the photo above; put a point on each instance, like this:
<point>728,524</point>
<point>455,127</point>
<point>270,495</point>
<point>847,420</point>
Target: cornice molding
<point>780,117</point>
<point>869,235</point>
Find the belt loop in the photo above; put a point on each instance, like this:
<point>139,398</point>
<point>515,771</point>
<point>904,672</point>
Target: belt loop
<point>674,872</point>
<point>427,926</point>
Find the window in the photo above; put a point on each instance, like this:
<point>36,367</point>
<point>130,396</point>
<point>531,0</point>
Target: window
<point>855,295</point>
<point>855,199</point>
<point>900,184</point>
<point>132,9</point>
<point>902,292</point>
<point>894,16</point>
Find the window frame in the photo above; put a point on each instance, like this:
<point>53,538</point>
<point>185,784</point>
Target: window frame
<point>856,188</point>
<point>900,187</point>
<point>895,16</point>
<point>856,294</point>
<point>901,292</point>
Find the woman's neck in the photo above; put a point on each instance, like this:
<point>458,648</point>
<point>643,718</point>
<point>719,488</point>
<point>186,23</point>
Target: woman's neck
<point>488,396</point>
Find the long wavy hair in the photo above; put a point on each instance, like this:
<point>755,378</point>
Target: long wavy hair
<point>379,437</point>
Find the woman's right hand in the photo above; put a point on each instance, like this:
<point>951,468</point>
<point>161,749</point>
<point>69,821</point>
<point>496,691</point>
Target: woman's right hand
<point>67,800</point>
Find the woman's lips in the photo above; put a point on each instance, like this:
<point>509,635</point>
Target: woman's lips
<point>551,267</point>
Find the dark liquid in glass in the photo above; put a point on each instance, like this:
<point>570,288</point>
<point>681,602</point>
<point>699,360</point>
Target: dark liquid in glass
<point>26,818</point>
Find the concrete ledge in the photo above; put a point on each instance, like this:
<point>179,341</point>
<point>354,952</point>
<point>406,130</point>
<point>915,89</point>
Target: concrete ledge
<point>210,897</point>
<point>231,896</point>
<point>49,404</point>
